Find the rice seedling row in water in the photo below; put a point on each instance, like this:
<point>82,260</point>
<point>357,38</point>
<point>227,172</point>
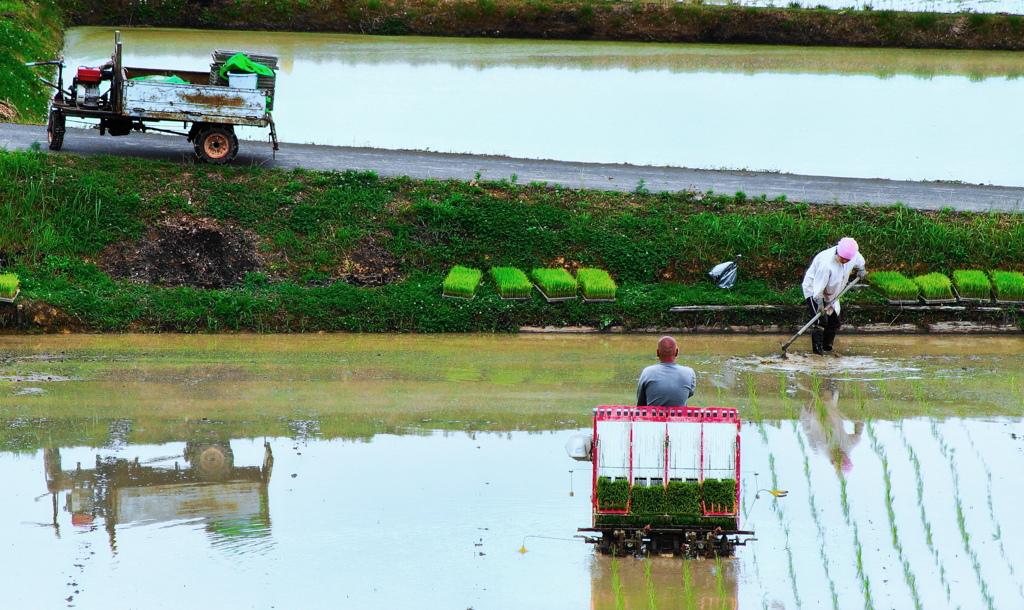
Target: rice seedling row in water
<point>620,597</point>
<point>894,285</point>
<point>652,597</point>
<point>688,585</point>
<point>1008,285</point>
<point>961,522</point>
<point>556,283</point>
<point>512,283</point>
<point>596,284</point>
<point>8,285</point>
<point>462,282</point>
<point>865,582</point>
<point>817,521</point>
<point>934,286</point>
<point>972,284</point>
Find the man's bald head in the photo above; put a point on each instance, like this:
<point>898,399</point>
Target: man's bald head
<point>667,349</point>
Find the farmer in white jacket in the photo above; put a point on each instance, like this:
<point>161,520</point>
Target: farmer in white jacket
<point>824,280</point>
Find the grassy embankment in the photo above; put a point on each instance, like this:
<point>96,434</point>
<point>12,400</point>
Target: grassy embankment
<point>60,212</point>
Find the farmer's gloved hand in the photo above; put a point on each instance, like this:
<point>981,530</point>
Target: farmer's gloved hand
<point>819,304</point>
<point>861,273</point>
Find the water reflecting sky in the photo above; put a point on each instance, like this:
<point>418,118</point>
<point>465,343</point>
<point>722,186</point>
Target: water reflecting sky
<point>920,115</point>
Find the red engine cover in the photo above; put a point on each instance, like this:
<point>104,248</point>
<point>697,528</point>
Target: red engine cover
<point>88,75</point>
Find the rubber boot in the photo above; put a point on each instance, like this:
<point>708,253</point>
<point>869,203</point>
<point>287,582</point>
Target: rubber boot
<point>828,339</point>
<point>816,341</point>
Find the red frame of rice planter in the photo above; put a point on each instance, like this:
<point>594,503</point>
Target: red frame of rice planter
<point>651,446</point>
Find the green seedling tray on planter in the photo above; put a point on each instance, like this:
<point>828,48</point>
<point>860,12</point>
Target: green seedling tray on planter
<point>597,285</point>
<point>936,289</point>
<point>461,283</point>
<point>558,282</point>
<point>1008,287</point>
<point>895,287</point>
<point>972,286</point>
<point>9,287</point>
<point>512,281</point>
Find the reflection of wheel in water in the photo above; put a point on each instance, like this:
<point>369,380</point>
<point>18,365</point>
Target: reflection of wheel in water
<point>216,144</point>
<point>210,461</point>
<point>55,129</point>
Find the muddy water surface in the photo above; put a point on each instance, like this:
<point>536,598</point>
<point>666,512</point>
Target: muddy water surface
<point>368,471</point>
<point>864,113</point>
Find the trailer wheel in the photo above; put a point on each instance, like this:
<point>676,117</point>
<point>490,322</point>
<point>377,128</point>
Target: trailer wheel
<point>216,144</point>
<point>55,129</point>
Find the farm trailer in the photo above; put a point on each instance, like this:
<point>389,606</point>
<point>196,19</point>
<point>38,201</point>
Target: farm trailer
<point>130,103</point>
<point>665,480</point>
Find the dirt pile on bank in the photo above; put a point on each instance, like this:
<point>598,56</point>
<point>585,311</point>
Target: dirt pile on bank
<point>186,251</point>
<point>371,265</point>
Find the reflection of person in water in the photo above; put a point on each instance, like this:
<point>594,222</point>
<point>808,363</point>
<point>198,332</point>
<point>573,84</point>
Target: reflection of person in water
<point>825,426</point>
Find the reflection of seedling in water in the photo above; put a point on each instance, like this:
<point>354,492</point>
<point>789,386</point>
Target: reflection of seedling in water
<point>720,579</point>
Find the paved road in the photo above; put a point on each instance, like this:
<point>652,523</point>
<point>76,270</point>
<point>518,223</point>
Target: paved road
<point>609,177</point>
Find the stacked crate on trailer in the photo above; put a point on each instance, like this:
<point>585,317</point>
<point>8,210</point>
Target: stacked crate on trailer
<point>666,480</point>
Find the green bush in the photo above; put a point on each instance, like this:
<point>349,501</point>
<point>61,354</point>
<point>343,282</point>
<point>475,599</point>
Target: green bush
<point>934,286</point>
<point>972,284</point>
<point>462,282</point>
<point>894,285</point>
<point>1008,285</point>
<point>512,283</point>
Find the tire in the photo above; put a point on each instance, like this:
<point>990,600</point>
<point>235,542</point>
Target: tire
<point>216,144</point>
<point>55,129</point>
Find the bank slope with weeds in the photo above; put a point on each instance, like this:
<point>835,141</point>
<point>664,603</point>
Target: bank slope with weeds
<point>117,244</point>
<point>30,30</point>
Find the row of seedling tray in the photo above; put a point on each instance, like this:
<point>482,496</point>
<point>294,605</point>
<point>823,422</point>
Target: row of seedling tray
<point>970,286</point>
<point>513,284</point>
<point>9,287</point>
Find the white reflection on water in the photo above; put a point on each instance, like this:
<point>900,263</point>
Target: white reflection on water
<point>626,103</point>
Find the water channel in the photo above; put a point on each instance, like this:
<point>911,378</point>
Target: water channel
<point>408,471</point>
<point>865,113</point>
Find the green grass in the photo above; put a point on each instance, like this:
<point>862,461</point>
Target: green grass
<point>596,283</point>
<point>8,285</point>
<point>511,282</point>
<point>894,285</point>
<point>462,282</point>
<point>972,284</point>
<point>934,286</point>
<point>1008,285</point>
<point>30,30</point>
<point>556,283</point>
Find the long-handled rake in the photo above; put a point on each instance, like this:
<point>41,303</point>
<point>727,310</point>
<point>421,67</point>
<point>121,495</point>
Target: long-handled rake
<point>815,318</point>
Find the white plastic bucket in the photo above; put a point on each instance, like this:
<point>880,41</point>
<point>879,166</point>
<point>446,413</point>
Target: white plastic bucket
<point>242,80</point>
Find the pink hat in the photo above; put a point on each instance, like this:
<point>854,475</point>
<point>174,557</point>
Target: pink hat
<point>847,248</point>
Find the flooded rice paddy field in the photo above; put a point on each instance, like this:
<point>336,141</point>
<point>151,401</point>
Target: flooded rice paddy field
<point>369,471</point>
<point>867,113</point>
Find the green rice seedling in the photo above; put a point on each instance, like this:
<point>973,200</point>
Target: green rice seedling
<point>8,285</point>
<point>512,283</point>
<point>720,494</point>
<point>612,495</point>
<point>555,283</point>
<point>972,284</point>
<point>620,597</point>
<point>683,498</point>
<point>894,285</point>
<point>934,286</point>
<point>1008,285</point>
<point>647,500</point>
<point>461,282</point>
<point>596,284</point>
<point>688,586</point>
<point>652,590</point>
